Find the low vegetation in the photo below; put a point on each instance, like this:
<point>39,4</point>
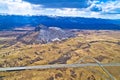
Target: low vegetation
<point>101,45</point>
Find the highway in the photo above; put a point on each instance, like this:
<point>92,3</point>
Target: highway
<point>55,66</point>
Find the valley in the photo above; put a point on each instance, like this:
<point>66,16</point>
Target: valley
<point>24,48</point>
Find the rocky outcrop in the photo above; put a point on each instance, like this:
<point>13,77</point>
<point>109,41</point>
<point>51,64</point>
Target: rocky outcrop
<point>51,34</point>
<point>43,34</point>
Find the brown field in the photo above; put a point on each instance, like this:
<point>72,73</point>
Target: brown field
<point>102,45</point>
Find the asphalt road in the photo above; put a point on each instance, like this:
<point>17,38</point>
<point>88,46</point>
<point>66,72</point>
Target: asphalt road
<point>57,66</point>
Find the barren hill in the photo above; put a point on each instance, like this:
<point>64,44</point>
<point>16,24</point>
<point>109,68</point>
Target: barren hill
<point>101,45</point>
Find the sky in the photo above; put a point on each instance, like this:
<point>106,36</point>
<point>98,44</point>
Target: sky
<point>107,9</point>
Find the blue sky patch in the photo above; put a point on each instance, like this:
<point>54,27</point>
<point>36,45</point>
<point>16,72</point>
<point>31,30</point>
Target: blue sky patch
<point>107,9</point>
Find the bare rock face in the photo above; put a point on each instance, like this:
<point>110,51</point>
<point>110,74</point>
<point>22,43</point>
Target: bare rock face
<point>51,34</point>
<point>42,34</point>
<point>39,27</point>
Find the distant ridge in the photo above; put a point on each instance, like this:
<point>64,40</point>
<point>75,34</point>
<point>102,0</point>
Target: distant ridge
<point>8,22</point>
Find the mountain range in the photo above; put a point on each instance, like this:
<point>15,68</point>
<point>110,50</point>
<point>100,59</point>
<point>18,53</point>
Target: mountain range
<point>8,22</point>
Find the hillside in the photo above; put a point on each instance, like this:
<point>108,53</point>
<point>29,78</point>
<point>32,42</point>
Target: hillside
<point>43,34</point>
<point>102,45</point>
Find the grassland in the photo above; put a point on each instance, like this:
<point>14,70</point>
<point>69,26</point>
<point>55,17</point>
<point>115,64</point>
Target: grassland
<point>102,45</point>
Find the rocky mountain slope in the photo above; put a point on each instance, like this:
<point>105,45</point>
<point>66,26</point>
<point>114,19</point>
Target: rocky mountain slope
<point>43,34</point>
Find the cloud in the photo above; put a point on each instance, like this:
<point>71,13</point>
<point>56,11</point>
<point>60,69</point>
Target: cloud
<point>62,3</point>
<point>110,6</point>
<point>96,9</point>
<point>17,7</point>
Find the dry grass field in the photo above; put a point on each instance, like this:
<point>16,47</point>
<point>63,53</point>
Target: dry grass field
<point>103,45</point>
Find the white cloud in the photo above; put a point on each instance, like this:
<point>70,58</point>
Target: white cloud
<point>107,7</point>
<point>111,6</point>
<point>19,7</point>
